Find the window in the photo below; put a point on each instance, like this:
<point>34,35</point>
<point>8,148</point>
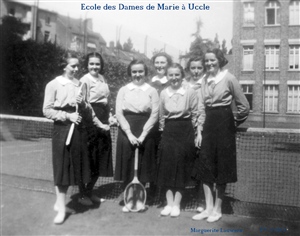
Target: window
<point>48,19</point>
<point>272,13</point>
<point>248,91</point>
<point>294,98</point>
<point>12,12</point>
<point>271,98</point>
<point>248,58</point>
<point>294,12</point>
<point>46,36</point>
<point>272,57</point>
<point>294,57</point>
<point>249,13</point>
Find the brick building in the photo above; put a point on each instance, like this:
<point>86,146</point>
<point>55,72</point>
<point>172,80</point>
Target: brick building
<point>266,45</point>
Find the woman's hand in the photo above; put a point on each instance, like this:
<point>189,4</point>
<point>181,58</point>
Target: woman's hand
<point>105,127</point>
<point>133,140</point>
<point>75,118</point>
<point>79,100</point>
<point>198,140</point>
<point>141,140</point>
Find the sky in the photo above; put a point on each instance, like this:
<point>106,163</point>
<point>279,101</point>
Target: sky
<point>168,29</point>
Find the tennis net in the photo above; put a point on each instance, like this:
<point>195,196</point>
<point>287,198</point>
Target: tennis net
<point>268,168</point>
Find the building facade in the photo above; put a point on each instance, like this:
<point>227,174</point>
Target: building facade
<point>48,26</point>
<point>266,45</point>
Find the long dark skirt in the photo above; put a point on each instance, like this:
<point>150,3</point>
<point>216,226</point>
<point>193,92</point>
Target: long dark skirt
<point>71,165</point>
<point>125,152</point>
<point>217,162</point>
<point>177,154</point>
<point>99,145</point>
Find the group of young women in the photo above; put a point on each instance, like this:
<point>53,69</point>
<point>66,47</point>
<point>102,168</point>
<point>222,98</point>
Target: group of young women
<point>167,118</point>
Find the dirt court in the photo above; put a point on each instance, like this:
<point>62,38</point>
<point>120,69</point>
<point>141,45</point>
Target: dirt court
<point>27,212</point>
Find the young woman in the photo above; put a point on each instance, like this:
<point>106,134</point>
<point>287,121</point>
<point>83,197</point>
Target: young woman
<point>137,112</point>
<point>70,162</point>
<point>99,142</point>
<point>216,132</point>
<point>177,119</point>
<point>160,61</point>
<point>195,68</point>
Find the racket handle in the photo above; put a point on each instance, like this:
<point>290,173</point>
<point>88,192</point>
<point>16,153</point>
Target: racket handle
<point>70,134</point>
<point>136,159</point>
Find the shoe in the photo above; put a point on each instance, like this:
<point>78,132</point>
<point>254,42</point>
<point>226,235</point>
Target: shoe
<point>95,199</point>
<point>200,209</point>
<point>125,209</point>
<point>203,215</point>
<point>166,211</point>
<point>85,201</point>
<point>60,217</point>
<point>175,211</point>
<point>122,203</point>
<point>214,217</point>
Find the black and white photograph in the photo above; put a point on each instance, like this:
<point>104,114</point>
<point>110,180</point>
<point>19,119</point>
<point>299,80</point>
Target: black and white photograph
<point>150,117</point>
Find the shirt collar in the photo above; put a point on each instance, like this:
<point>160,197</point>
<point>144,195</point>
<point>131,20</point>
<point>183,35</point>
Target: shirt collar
<point>162,80</point>
<point>180,91</point>
<point>63,81</point>
<point>217,78</point>
<point>132,86</point>
<point>92,78</point>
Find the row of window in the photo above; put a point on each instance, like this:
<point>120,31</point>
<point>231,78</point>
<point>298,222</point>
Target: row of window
<point>272,53</point>
<point>271,95</point>
<point>272,13</point>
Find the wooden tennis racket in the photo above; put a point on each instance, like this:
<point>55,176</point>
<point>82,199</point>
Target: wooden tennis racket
<point>135,193</point>
<point>82,91</point>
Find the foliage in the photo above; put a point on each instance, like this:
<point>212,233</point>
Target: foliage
<point>128,46</point>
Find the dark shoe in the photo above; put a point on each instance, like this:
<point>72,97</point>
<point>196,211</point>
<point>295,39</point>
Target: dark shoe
<point>121,203</point>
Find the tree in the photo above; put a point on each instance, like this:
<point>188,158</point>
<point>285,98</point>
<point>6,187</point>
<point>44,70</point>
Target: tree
<point>199,46</point>
<point>224,48</point>
<point>128,46</point>
<point>216,41</point>
<point>119,45</point>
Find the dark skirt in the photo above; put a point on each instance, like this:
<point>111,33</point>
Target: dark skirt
<point>71,165</point>
<point>217,161</point>
<point>99,144</point>
<point>125,152</point>
<point>177,153</point>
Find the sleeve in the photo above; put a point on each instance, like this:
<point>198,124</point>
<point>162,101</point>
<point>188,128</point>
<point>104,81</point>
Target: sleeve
<point>194,107</point>
<point>48,106</point>
<point>241,101</point>
<point>154,113</point>
<point>161,112</point>
<point>201,110</point>
<point>119,112</point>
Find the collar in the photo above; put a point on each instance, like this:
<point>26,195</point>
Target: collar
<point>217,78</point>
<point>163,80</point>
<point>132,86</point>
<point>98,79</point>
<point>180,91</point>
<point>63,81</point>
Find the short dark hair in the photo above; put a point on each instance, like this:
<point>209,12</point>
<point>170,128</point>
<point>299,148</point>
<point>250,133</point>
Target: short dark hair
<point>135,62</point>
<point>64,60</point>
<point>219,55</point>
<point>97,55</point>
<point>194,58</point>
<point>163,54</point>
<point>177,65</point>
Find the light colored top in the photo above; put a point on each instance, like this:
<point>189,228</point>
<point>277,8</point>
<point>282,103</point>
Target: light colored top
<point>137,99</point>
<point>195,86</point>
<point>178,104</point>
<point>97,87</point>
<point>159,83</point>
<point>59,93</point>
<point>220,91</point>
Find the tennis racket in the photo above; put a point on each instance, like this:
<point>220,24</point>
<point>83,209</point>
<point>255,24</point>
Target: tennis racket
<point>135,193</point>
<point>82,91</point>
